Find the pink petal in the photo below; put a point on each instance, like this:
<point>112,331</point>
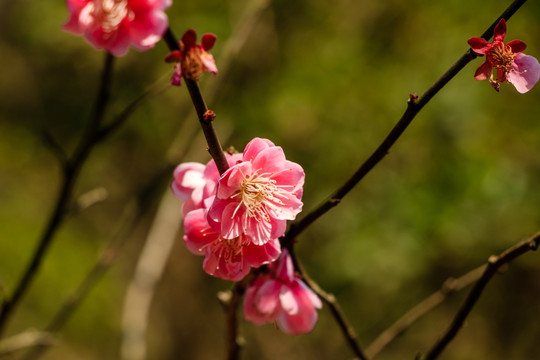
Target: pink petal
<point>257,255</point>
<point>176,78</point>
<point>479,45</point>
<point>525,74</point>
<point>254,147</point>
<point>187,177</point>
<point>270,160</point>
<point>231,226</point>
<point>147,28</point>
<point>302,323</point>
<point>209,63</point>
<point>500,30</point>
<point>288,301</point>
<point>197,233</point>
<point>267,298</point>
<point>250,311</point>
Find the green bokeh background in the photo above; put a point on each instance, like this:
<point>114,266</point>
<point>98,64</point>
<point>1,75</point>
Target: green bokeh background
<point>326,81</point>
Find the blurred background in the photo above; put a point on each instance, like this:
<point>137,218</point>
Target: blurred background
<point>326,81</point>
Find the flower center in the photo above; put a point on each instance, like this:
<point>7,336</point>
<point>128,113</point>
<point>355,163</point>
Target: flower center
<point>192,65</point>
<point>110,13</point>
<point>229,250</point>
<point>501,56</point>
<point>259,194</point>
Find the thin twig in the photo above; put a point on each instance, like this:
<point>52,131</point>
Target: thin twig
<point>25,340</point>
<point>71,171</point>
<point>403,323</point>
<point>330,300</point>
<point>214,147</point>
<point>493,265</point>
<point>414,105</point>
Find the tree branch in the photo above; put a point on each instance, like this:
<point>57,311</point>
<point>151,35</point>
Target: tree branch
<point>71,171</point>
<point>403,323</point>
<point>493,265</point>
<point>346,329</point>
<point>414,105</point>
<point>214,147</point>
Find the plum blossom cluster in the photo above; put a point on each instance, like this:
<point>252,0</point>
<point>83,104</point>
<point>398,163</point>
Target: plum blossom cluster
<point>508,60</point>
<point>235,220</point>
<point>114,25</point>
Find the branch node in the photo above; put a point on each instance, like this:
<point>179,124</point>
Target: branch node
<point>209,116</point>
<point>335,201</point>
<point>225,297</point>
<point>533,245</point>
<point>492,260</point>
<point>413,98</point>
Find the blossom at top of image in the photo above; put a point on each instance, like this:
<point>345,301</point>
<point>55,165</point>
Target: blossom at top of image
<point>114,25</point>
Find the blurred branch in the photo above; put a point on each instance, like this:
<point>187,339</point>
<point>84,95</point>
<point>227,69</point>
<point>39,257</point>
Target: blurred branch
<point>414,105</point>
<point>25,340</point>
<point>157,88</point>
<point>403,323</point>
<point>214,147</point>
<point>71,171</point>
<point>148,272</point>
<point>330,300</point>
<point>493,265</point>
<point>231,300</point>
<point>54,147</point>
<point>133,214</point>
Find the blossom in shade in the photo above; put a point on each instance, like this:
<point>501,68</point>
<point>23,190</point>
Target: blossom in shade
<point>281,296</point>
<point>192,59</point>
<point>194,182</point>
<point>522,71</point>
<point>256,196</point>
<point>114,25</point>
<point>228,259</point>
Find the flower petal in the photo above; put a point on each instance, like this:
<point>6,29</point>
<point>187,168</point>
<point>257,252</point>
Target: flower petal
<point>479,45</point>
<point>517,46</point>
<point>500,30</point>
<point>525,74</point>
<point>484,71</point>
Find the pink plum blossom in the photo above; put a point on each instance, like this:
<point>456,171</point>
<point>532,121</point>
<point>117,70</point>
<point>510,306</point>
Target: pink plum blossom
<point>281,296</point>
<point>192,60</point>
<point>522,71</point>
<point>114,25</point>
<point>228,259</point>
<point>256,196</point>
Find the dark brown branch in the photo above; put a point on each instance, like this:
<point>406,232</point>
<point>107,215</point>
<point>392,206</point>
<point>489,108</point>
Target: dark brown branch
<point>403,323</point>
<point>493,265</point>
<point>332,303</point>
<point>71,171</point>
<point>214,147</point>
<point>231,301</point>
<point>414,106</point>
